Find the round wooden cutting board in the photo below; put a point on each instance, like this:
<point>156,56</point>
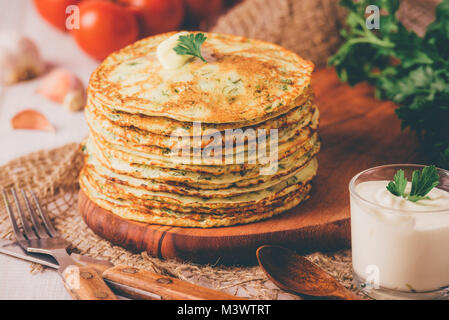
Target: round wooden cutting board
<point>357,131</point>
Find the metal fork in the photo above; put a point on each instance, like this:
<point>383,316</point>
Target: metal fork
<point>83,282</point>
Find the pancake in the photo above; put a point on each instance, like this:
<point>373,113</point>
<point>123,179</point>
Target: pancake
<point>200,179</point>
<point>251,80</point>
<point>250,200</point>
<point>132,135</point>
<point>166,154</point>
<point>167,126</point>
<point>160,149</point>
<point>130,158</point>
<point>131,211</point>
<point>159,185</point>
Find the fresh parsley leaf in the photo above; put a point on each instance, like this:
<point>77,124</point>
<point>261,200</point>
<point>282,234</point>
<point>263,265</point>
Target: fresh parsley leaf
<point>422,182</point>
<point>398,186</point>
<point>191,45</point>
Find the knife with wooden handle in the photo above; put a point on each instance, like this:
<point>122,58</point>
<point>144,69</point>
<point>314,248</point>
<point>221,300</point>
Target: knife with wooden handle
<point>127,281</point>
<point>165,288</point>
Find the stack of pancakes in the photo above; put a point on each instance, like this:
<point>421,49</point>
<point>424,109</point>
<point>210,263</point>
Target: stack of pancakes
<point>149,127</point>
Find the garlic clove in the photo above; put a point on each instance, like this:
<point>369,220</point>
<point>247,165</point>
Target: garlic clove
<point>19,58</point>
<point>63,87</point>
<point>31,119</point>
<point>74,101</point>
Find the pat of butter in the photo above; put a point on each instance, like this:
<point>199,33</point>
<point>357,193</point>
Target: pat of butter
<point>168,58</point>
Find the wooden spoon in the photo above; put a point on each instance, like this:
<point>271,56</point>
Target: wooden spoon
<point>292,272</point>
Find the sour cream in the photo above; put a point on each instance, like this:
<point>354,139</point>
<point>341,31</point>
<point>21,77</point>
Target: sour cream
<point>402,245</point>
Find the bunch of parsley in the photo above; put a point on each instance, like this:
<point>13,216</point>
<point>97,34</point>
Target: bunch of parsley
<point>411,71</point>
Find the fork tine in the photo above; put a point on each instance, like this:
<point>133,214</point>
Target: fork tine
<point>29,233</point>
<point>12,218</point>
<point>45,219</point>
<point>37,225</point>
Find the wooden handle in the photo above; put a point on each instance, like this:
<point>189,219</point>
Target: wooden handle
<point>165,288</point>
<point>84,283</point>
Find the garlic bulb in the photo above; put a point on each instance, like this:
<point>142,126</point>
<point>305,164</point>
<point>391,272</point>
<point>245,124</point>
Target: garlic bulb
<point>19,58</point>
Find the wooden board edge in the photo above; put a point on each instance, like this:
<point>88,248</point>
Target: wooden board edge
<point>163,242</point>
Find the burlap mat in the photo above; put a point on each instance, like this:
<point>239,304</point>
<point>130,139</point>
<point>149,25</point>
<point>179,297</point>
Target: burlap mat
<point>53,175</point>
<point>309,27</point>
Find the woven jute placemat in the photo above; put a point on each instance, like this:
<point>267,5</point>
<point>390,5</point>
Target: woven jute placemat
<point>53,175</point>
<point>309,27</point>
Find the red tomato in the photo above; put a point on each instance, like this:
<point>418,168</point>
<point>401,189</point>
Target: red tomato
<point>104,28</point>
<point>53,11</point>
<point>157,16</point>
<point>200,9</point>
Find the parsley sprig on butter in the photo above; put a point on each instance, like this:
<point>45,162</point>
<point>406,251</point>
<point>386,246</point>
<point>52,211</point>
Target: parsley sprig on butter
<point>422,182</point>
<point>191,45</point>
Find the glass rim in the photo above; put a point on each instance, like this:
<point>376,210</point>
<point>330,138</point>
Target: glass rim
<point>353,192</point>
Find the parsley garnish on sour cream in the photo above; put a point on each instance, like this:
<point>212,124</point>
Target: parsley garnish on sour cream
<point>422,183</point>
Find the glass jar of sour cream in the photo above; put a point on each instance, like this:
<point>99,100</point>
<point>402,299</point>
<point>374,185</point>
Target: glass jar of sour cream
<point>400,248</point>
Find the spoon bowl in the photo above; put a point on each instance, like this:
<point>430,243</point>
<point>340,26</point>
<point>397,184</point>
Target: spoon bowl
<point>292,272</point>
